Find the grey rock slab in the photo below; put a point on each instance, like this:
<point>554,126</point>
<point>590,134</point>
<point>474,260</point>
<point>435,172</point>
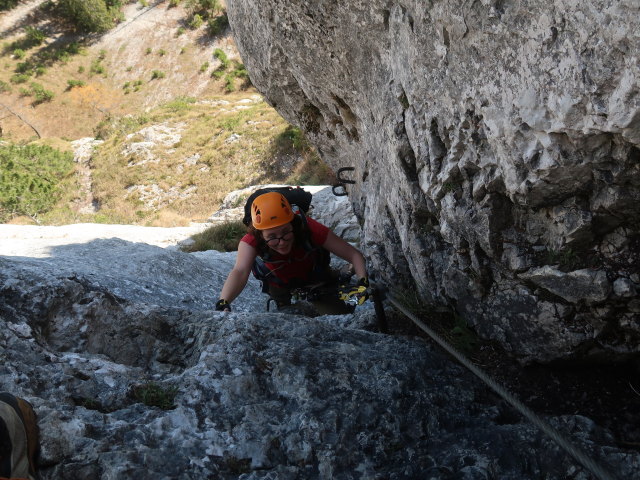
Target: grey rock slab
<point>130,380</point>
<point>579,285</point>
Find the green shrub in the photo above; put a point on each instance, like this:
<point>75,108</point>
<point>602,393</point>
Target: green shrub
<point>196,22</point>
<point>205,8</point>
<point>174,3</point>
<point>30,176</point>
<point>292,139</point>
<point>223,238</point>
<point>19,53</point>
<point>154,395</point>
<point>90,15</point>
<point>62,56</point>
<point>148,51</point>
<point>40,93</point>
<point>157,74</point>
<point>162,52</point>
<point>19,78</point>
<point>74,48</point>
<point>217,25</point>
<point>4,87</point>
<point>8,4</point>
<point>239,71</point>
<point>204,67</point>
<point>35,37</point>
<point>24,67</point>
<point>180,104</point>
<point>97,67</point>
<point>229,84</point>
<point>220,55</point>
<point>75,83</point>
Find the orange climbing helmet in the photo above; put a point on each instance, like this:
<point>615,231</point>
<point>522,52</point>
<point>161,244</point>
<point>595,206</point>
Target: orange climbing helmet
<point>270,210</point>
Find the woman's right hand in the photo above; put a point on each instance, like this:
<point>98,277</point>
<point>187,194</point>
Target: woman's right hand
<point>223,306</point>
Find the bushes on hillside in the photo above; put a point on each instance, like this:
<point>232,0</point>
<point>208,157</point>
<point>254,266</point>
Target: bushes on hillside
<point>218,24</point>
<point>30,177</point>
<point>91,15</point>
<point>8,4</point>
<point>205,8</point>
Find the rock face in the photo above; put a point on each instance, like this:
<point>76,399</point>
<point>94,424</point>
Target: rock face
<point>132,375</point>
<point>496,148</point>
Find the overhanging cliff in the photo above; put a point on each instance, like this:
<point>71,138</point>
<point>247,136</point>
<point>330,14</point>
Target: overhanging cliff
<point>496,147</point>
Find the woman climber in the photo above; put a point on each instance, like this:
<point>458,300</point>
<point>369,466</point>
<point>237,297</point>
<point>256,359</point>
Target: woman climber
<point>286,251</point>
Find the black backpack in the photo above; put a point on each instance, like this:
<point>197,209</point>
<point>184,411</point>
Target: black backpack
<point>296,196</point>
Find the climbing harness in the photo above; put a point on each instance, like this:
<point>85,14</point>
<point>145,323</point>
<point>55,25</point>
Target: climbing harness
<point>578,454</point>
<point>342,182</point>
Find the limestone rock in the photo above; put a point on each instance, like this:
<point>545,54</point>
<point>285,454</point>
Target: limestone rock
<point>577,286</point>
<point>133,375</point>
<point>623,287</point>
<point>471,125</point>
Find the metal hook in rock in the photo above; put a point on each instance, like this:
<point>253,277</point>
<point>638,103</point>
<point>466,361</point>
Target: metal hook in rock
<point>342,182</point>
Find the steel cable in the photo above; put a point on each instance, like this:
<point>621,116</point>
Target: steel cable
<point>578,454</point>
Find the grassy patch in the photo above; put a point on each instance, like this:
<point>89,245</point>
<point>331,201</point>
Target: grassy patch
<point>40,93</point>
<point>218,150</point>
<point>220,144</point>
<point>154,395</point>
<point>31,179</point>
<point>223,238</point>
<point>311,170</point>
<point>217,25</point>
<point>8,4</point>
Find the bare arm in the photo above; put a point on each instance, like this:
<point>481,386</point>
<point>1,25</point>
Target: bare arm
<point>342,249</point>
<point>238,276</point>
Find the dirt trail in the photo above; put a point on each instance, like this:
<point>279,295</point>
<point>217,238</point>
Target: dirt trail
<point>13,19</point>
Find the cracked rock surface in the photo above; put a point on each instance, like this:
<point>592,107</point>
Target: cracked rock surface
<point>133,375</point>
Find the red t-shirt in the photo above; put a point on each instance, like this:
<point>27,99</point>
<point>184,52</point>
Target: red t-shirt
<point>299,263</point>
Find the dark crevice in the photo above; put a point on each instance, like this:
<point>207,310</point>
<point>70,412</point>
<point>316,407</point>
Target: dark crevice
<point>310,118</point>
<point>406,154</point>
<point>385,19</point>
<point>437,148</point>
